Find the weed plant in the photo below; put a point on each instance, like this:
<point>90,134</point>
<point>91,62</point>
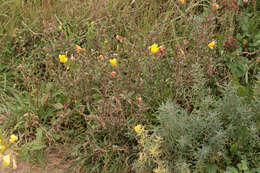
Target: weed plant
<point>80,75</point>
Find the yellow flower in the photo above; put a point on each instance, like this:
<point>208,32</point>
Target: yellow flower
<point>79,49</point>
<point>160,169</point>
<point>182,1</point>
<point>0,140</point>
<point>13,138</point>
<point>113,62</point>
<point>139,129</point>
<point>6,160</point>
<point>63,58</point>
<point>154,48</point>
<point>211,45</point>
<point>2,148</point>
<point>157,170</point>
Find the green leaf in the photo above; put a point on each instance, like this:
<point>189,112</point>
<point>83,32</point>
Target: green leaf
<point>97,97</point>
<point>255,170</point>
<point>39,135</point>
<point>255,44</point>
<point>239,37</point>
<point>243,21</point>
<point>231,170</point>
<point>234,148</point>
<point>205,13</point>
<point>37,146</point>
<point>211,168</point>
<point>242,133</point>
<point>242,166</point>
<point>257,36</point>
<point>241,91</point>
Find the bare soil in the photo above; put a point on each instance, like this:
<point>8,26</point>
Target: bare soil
<point>53,163</point>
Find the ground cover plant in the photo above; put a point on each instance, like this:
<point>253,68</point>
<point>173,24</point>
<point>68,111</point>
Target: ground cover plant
<point>131,86</point>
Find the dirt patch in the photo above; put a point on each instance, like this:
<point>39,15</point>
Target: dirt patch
<point>53,163</point>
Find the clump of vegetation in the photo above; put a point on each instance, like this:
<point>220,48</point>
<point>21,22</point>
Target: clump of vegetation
<point>220,134</point>
<point>80,75</point>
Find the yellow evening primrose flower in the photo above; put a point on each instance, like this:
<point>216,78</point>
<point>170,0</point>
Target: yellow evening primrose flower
<point>160,169</point>
<point>63,58</point>
<point>157,170</point>
<point>2,148</point>
<point>13,138</point>
<point>139,129</point>
<point>154,48</point>
<point>6,160</point>
<point>113,62</point>
<point>211,45</point>
<point>182,1</point>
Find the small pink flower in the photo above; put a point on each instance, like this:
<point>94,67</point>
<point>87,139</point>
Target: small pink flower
<point>72,57</point>
<point>101,57</point>
<point>161,51</point>
<point>162,48</point>
<point>113,74</point>
<point>119,38</point>
<point>140,99</point>
<point>115,54</point>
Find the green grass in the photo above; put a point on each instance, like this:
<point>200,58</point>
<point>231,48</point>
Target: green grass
<point>80,106</point>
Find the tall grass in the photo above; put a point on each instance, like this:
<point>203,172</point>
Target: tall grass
<point>90,107</point>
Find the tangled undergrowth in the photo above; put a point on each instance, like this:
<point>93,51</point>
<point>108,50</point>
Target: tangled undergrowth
<point>133,86</point>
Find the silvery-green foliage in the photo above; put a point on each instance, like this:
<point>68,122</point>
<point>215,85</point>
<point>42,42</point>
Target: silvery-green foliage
<point>220,133</point>
<point>194,137</point>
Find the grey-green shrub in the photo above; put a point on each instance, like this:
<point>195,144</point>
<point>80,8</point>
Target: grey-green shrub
<point>212,139</point>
